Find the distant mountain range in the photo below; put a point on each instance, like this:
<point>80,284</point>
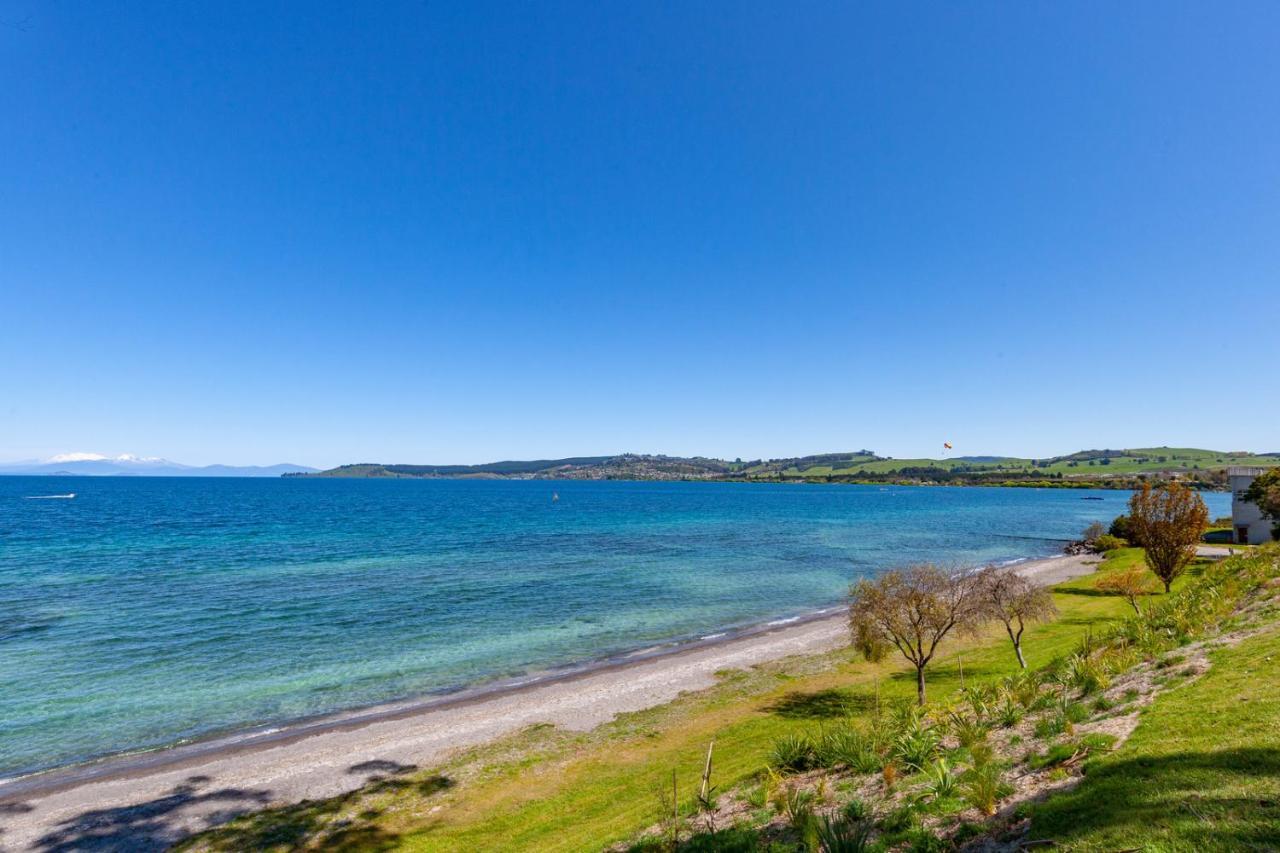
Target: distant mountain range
<point>127,465</point>
<point>1087,466</point>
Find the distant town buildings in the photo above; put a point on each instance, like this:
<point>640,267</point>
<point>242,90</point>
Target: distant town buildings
<point>1247,524</point>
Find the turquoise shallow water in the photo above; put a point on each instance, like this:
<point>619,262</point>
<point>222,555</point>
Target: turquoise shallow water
<point>147,611</point>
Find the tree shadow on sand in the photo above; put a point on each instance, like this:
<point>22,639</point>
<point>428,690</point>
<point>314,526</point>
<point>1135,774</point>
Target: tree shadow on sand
<point>345,823</point>
<point>12,808</point>
<point>151,826</point>
<point>380,767</point>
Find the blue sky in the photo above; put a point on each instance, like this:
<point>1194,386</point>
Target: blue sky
<point>431,232</point>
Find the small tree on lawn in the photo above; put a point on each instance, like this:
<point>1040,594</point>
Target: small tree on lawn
<point>1016,602</point>
<point>914,609</point>
<point>1265,492</point>
<point>1130,583</point>
<point>1167,522</point>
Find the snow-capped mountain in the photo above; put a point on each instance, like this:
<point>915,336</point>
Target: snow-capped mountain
<point>127,464</point>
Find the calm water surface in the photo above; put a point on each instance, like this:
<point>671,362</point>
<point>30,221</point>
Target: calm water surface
<point>147,611</point>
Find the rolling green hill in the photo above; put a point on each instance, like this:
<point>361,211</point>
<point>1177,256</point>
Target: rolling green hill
<point>1104,467</point>
<point>1086,463</point>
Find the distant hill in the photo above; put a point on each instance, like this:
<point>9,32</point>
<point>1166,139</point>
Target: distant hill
<point>626,466</point>
<point>1110,467</point>
<point>92,465</point>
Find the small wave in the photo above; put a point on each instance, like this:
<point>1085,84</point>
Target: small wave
<point>714,636</point>
<point>1013,562</point>
<point>786,621</point>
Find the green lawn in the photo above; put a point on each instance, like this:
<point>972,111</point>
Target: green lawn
<point>1202,771</point>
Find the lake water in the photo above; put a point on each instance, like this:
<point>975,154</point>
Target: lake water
<point>147,611</point>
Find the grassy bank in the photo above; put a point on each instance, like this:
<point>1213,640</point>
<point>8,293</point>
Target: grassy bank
<point>546,789</point>
<point>1201,772</point>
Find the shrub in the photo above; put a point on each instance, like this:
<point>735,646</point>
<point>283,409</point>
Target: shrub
<point>856,809</point>
<point>844,835</point>
<point>899,820</point>
<point>967,730</point>
<point>1024,688</point>
<point>889,773</point>
<point>797,807</point>
<point>1050,726</point>
<point>980,697</point>
<point>846,747</point>
<point>1131,584</point>
<point>924,840</point>
<point>917,747</point>
<point>1106,542</point>
<point>1009,713</point>
<point>794,752</point>
<point>1094,532</point>
<point>760,794</point>
<point>942,783</point>
<point>984,787</point>
<point>1086,674</point>
<point>982,754</point>
<point>1121,528</point>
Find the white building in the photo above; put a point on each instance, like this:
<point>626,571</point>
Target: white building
<point>1247,523</point>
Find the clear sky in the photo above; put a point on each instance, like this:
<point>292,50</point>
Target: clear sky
<point>432,232</point>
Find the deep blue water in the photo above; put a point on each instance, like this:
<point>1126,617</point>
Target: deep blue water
<point>146,611</point>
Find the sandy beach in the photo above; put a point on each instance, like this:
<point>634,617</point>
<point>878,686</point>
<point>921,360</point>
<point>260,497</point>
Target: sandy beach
<point>152,800</point>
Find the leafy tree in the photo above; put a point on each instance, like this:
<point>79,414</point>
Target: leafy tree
<point>1120,527</point>
<point>1167,521</point>
<point>914,609</point>
<point>1265,492</point>
<point>1015,601</point>
<point>1130,583</point>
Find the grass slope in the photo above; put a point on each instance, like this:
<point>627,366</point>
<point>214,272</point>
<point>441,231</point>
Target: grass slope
<point>1201,772</point>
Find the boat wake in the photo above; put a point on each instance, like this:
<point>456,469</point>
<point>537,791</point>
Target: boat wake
<point>65,497</point>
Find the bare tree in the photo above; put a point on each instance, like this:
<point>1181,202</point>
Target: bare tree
<point>1130,583</point>
<point>1167,522</point>
<point>914,609</point>
<point>1016,602</point>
